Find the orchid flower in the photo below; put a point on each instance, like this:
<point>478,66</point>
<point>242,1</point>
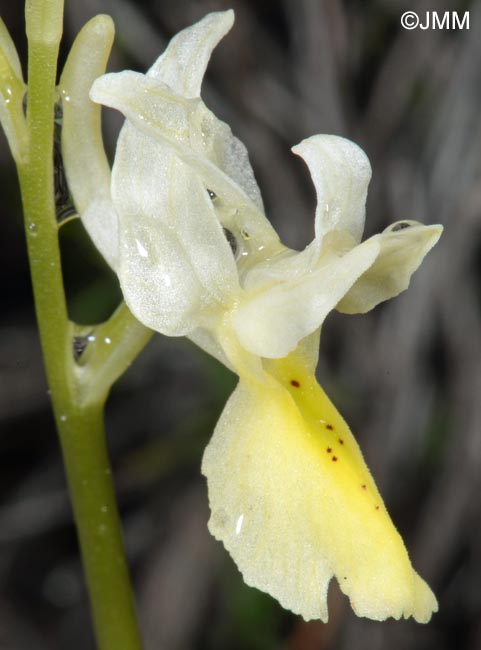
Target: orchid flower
<point>180,220</point>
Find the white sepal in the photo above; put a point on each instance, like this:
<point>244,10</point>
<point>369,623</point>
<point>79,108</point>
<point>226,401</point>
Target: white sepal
<point>403,247</point>
<point>175,263</point>
<point>183,64</point>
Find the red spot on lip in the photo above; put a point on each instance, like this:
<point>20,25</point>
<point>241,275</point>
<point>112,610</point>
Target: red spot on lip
<point>334,458</point>
<point>295,383</point>
<point>364,487</point>
<point>329,450</point>
<point>329,426</point>
<point>341,441</point>
<point>377,507</point>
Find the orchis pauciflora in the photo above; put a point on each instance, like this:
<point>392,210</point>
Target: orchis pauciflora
<point>180,220</point>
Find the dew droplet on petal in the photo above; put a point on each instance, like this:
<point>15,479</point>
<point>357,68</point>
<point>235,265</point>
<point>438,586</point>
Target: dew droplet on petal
<point>401,225</point>
<point>238,526</point>
<point>141,250</point>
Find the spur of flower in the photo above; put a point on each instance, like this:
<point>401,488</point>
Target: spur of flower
<point>180,220</point>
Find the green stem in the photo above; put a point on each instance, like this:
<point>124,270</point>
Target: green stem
<point>36,182</point>
<point>99,529</point>
<point>79,421</point>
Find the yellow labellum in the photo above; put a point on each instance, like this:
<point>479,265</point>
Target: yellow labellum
<point>295,504</point>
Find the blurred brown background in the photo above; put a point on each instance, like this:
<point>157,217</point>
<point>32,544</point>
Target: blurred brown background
<point>407,376</point>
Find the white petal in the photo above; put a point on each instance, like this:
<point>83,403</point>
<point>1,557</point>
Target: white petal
<point>182,66</point>
<point>341,172</point>
<point>402,249</point>
<point>194,134</point>
<point>86,165</point>
<point>273,321</point>
<point>175,262</point>
<point>292,518</point>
